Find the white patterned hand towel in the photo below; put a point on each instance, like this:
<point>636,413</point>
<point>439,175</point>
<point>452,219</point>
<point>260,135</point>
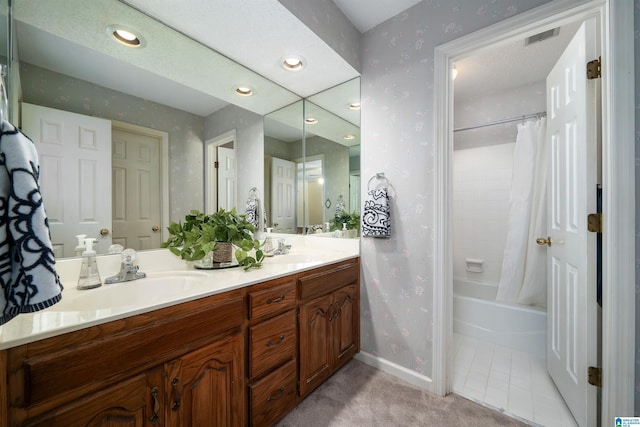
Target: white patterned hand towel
<point>377,214</point>
<point>28,279</point>
<point>253,213</point>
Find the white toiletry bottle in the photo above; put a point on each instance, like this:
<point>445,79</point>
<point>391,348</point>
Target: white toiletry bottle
<point>89,276</point>
<point>80,247</point>
<point>267,248</point>
<point>344,229</point>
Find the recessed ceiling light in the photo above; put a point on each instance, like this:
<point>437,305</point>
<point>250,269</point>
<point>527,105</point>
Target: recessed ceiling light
<point>354,106</point>
<point>292,63</point>
<point>125,36</point>
<point>244,91</point>
<point>349,137</point>
<point>311,120</point>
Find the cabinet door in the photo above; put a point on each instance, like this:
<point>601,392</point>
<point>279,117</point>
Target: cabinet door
<point>315,342</point>
<point>204,387</point>
<point>126,404</point>
<point>345,324</point>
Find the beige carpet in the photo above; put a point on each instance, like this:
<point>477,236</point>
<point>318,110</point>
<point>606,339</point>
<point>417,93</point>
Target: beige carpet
<point>359,395</point>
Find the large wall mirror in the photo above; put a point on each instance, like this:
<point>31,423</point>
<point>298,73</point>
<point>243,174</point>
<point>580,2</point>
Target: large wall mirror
<point>161,101</point>
<point>312,160</point>
<point>71,81</point>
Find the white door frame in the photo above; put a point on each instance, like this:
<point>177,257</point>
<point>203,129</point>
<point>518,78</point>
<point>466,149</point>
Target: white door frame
<point>210,175</point>
<point>164,168</point>
<point>618,180</point>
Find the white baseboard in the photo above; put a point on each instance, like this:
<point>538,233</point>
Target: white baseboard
<point>398,371</point>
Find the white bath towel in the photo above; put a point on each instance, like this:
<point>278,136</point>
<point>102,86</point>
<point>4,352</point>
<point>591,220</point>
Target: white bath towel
<point>28,278</point>
<point>376,217</point>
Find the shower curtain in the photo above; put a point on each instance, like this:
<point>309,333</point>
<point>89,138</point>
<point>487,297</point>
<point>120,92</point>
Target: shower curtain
<point>523,278</point>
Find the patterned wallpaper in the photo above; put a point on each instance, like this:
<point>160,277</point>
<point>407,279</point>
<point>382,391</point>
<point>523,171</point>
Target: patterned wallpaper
<point>397,132</point>
<point>49,89</point>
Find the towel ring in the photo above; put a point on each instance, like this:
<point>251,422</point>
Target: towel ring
<point>378,176</point>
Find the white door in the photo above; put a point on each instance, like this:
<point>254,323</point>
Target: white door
<point>226,178</point>
<point>136,189</point>
<point>283,200</point>
<point>571,261</point>
<point>75,174</point>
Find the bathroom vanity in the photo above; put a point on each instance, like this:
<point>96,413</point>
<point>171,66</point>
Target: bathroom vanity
<point>242,354</point>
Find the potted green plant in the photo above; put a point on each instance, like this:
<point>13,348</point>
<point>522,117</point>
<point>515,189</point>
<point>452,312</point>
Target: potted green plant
<point>202,233</point>
<point>352,221</point>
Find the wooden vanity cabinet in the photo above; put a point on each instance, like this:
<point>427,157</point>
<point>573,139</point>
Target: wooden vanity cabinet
<point>242,357</point>
<point>329,321</point>
<point>122,372</point>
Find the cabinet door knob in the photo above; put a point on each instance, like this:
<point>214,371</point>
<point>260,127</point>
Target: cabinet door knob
<point>104,231</point>
<point>155,228</point>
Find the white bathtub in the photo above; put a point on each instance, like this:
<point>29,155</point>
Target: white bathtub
<point>477,314</point>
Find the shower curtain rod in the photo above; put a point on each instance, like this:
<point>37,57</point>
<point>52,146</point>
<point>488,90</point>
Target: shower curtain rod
<point>499,122</point>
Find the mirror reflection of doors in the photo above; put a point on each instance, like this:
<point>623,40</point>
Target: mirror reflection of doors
<point>283,195</point>
<point>220,173</point>
<point>136,182</point>
<point>310,187</point>
<point>73,150</point>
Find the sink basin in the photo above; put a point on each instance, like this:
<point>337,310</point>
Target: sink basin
<point>156,288</point>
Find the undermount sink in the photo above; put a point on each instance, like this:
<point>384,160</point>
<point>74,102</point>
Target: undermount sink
<point>157,287</point>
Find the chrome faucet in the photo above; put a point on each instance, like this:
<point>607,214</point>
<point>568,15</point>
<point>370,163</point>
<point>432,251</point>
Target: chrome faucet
<point>128,271</point>
<point>283,247</point>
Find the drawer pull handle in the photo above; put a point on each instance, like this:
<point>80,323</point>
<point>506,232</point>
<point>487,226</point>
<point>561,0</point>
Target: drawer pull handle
<point>176,394</point>
<point>156,406</point>
<point>271,301</point>
<point>278,395</point>
<point>270,344</point>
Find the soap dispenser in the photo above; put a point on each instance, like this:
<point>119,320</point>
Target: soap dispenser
<point>80,247</point>
<point>267,248</point>
<point>89,276</point>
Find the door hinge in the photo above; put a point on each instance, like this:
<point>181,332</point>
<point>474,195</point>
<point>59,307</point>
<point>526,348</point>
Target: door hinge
<point>595,376</point>
<point>594,69</point>
<point>216,165</point>
<point>594,222</point>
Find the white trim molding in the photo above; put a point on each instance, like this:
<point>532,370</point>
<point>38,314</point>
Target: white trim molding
<point>618,178</point>
<point>407,375</point>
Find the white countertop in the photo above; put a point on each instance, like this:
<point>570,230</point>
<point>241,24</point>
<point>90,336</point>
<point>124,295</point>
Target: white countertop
<point>169,281</point>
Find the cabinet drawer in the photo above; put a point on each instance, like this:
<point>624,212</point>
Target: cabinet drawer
<point>273,396</point>
<point>324,280</point>
<point>272,300</point>
<point>271,342</point>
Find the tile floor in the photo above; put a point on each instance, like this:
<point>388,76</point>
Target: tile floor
<point>510,381</point>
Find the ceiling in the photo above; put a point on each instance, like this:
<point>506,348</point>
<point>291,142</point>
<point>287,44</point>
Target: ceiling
<point>509,65</point>
<point>366,14</point>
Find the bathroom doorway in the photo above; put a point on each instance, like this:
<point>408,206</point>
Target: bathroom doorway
<point>620,181</point>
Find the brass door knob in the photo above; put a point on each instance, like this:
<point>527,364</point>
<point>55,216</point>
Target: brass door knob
<point>104,232</point>
<point>155,228</point>
<point>542,241</point>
